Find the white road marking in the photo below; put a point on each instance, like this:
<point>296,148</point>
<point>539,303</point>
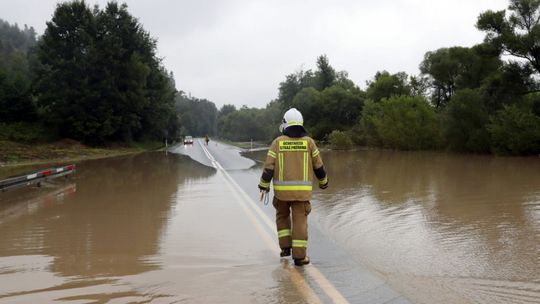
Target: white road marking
<point>323,283</point>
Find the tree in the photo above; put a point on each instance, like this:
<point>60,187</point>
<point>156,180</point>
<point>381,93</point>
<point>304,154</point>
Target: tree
<point>16,103</point>
<point>325,75</point>
<point>99,78</point>
<point>517,34</point>
<point>339,109</point>
<point>293,84</point>
<point>64,79</point>
<point>339,140</point>
<point>198,117</point>
<point>386,85</point>
<point>452,69</point>
<point>226,109</point>
<point>419,85</point>
<point>466,117</point>
<point>12,38</point>
<point>508,85</point>
<point>308,102</point>
<point>15,100</point>
<point>515,130</point>
<point>401,122</point>
<point>244,124</point>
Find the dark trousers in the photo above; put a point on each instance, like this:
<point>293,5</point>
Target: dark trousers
<point>293,236</point>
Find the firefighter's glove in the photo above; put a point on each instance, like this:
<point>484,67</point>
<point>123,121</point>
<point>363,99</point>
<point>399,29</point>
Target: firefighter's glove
<point>263,186</point>
<point>323,183</point>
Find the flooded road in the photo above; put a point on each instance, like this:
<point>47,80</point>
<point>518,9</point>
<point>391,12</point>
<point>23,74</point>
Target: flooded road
<point>187,227</point>
<point>441,228</point>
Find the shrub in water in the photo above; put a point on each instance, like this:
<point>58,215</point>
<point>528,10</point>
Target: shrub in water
<point>339,140</point>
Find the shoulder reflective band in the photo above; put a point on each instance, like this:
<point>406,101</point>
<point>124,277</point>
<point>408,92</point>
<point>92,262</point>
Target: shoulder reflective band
<point>315,153</point>
<point>293,145</point>
<point>284,233</point>
<point>299,243</point>
<point>271,153</point>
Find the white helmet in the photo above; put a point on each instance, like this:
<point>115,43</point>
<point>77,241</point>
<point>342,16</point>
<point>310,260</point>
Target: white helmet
<point>292,117</point>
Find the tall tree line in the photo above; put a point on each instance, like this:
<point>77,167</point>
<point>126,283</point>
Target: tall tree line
<point>327,99</point>
<point>99,78</point>
<point>466,99</point>
<point>93,76</point>
<point>16,102</point>
<point>197,117</point>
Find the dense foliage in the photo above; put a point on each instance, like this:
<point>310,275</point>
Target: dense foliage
<point>99,78</point>
<point>401,122</point>
<point>94,75</point>
<point>16,103</point>
<point>197,117</point>
<point>247,124</point>
<point>339,140</point>
<point>465,99</point>
<point>327,99</point>
<point>516,130</point>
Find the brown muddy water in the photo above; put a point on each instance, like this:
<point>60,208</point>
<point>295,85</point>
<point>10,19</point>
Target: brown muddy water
<point>439,228</point>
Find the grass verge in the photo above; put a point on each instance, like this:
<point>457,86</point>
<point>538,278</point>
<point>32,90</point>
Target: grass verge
<point>17,157</point>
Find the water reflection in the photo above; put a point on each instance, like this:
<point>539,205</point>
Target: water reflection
<point>436,215</point>
<point>104,223</point>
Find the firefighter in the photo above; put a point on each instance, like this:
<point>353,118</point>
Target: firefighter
<point>290,160</point>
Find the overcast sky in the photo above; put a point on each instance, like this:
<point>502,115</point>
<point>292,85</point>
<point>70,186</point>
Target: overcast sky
<point>238,51</point>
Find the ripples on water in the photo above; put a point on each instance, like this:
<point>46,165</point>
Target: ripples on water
<point>441,228</point>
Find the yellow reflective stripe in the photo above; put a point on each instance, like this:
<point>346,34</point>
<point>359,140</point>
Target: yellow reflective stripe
<point>292,183</point>
<point>323,181</point>
<point>264,184</point>
<point>299,243</point>
<point>280,155</point>
<point>295,123</point>
<point>272,154</point>
<point>293,188</point>
<point>284,233</point>
<point>305,165</point>
<point>315,153</point>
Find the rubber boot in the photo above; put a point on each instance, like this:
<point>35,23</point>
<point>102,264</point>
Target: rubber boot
<point>301,262</point>
<point>285,252</point>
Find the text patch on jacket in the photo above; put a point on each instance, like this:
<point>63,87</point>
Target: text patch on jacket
<point>293,145</point>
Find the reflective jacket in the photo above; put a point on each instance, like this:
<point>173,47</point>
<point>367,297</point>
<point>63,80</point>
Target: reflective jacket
<point>290,162</point>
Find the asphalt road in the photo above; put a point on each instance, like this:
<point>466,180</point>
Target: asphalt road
<point>333,276</point>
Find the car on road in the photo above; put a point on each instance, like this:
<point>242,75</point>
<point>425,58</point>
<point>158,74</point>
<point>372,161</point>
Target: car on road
<point>188,140</point>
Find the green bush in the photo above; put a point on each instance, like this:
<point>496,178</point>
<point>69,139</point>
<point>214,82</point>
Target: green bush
<point>340,140</point>
<point>465,121</point>
<point>515,131</point>
<point>357,135</point>
<point>401,122</point>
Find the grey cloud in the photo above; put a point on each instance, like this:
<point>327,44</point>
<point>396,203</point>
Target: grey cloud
<point>238,51</point>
